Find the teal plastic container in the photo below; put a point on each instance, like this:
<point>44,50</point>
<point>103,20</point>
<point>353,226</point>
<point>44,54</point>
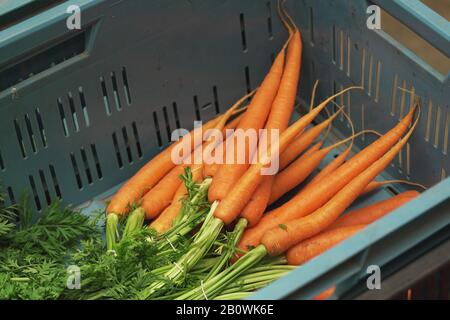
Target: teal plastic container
<point>82,110</point>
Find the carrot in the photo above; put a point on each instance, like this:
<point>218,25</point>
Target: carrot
<point>313,149</point>
<point>165,220</point>
<point>378,184</point>
<point>373,212</point>
<point>210,169</point>
<point>254,119</point>
<point>282,108</point>
<point>303,142</point>
<point>302,168</point>
<point>314,246</point>
<point>296,173</point>
<point>237,197</point>
<point>161,195</point>
<point>310,199</point>
<point>331,167</point>
<point>152,172</point>
<point>281,238</point>
<point>258,202</point>
<point>325,295</point>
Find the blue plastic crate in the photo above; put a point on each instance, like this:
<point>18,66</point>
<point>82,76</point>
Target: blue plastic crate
<point>82,110</point>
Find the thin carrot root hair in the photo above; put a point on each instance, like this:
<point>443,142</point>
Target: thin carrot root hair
<point>285,17</point>
<point>283,143</point>
<point>409,183</point>
<point>330,124</point>
<point>286,22</point>
<point>313,95</point>
<point>352,137</point>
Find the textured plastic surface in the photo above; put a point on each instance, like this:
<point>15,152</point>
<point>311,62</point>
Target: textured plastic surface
<point>85,122</point>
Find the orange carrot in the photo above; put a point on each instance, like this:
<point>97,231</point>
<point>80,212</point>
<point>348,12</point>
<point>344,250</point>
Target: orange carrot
<point>281,238</point>
<point>331,167</point>
<point>302,168</point>
<point>257,204</point>
<point>314,246</point>
<point>296,173</point>
<point>165,220</point>
<point>325,295</point>
<point>237,197</point>
<point>373,212</point>
<point>160,196</point>
<point>157,199</point>
<point>152,172</point>
<point>210,169</point>
<point>313,149</point>
<point>281,111</point>
<point>310,199</point>
<point>303,142</point>
<point>253,119</point>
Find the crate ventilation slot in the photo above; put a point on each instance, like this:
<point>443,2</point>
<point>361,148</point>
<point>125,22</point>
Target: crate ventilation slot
<point>35,63</point>
<point>243,33</point>
<point>216,100</point>
<point>162,122</point>
<point>86,166</point>
<point>341,45</point>
<point>115,88</point>
<point>2,162</point>
<point>247,79</point>
<point>129,138</point>
<point>370,73</point>
<point>198,116</point>
<point>73,107</point>
<point>269,20</point>
<point>12,198</point>
<point>43,187</point>
<point>311,25</point>
<point>30,133</point>
<point>437,126</point>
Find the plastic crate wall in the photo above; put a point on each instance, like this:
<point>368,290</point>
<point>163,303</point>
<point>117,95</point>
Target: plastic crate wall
<point>86,120</point>
<point>94,115</point>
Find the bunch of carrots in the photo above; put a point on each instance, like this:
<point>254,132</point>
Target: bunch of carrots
<point>239,194</point>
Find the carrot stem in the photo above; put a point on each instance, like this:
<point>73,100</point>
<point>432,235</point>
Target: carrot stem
<point>112,232</point>
<point>229,252</point>
<point>201,244</point>
<point>209,289</point>
<point>135,221</point>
